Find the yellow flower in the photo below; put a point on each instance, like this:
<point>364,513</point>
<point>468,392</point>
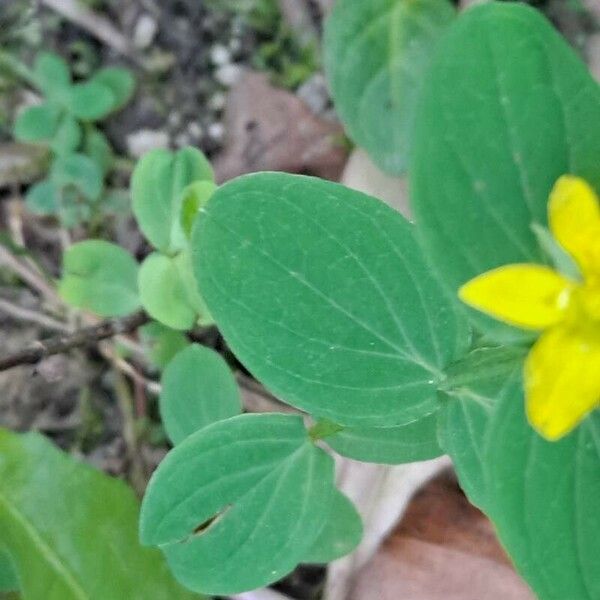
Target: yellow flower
<point>562,370</point>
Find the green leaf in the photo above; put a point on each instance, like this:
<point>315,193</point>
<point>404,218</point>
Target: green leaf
<point>162,342</point>
<point>67,136</point>
<point>43,198</point>
<point>389,445</point>
<point>183,262</point>
<point>473,387</point>
<point>79,171</point>
<point>198,389</point>
<point>37,123</point>
<point>100,277</point>
<point>8,577</point>
<point>481,176</point>
<point>91,100</point>
<point>119,81</point>
<point>52,74</point>
<point>323,294</point>
<point>164,294</point>
<point>98,148</point>
<point>157,184</point>
<point>544,501</point>
<point>195,197</point>
<point>341,534</point>
<point>376,56</point>
<point>238,504</point>
<point>71,531</point>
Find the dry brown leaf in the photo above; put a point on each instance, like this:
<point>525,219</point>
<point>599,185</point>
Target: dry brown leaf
<point>270,129</point>
<point>444,549</point>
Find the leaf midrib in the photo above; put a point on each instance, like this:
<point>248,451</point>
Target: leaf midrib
<point>51,557</point>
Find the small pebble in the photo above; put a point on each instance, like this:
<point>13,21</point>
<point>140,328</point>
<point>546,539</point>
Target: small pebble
<point>229,75</point>
<point>144,31</point>
<point>217,101</point>
<point>195,130</point>
<point>144,140</point>
<point>216,131</point>
<point>220,55</point>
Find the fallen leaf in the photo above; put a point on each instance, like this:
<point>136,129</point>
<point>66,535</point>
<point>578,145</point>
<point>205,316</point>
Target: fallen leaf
<point>270,129</point>
<point>444,549</point>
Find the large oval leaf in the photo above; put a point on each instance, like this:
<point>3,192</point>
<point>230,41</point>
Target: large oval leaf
<point>198,389</point>
<point>71,531</point>
<point>8,577</point>
<point>376,56</point>
<point>323,294</point>
<point>507,108</point>
<point>544,502</point>
<point>473,387</point>
<point>239,503</point>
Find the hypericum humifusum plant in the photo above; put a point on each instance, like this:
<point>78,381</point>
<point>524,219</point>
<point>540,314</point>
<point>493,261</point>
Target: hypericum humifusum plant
<point>350,313</point>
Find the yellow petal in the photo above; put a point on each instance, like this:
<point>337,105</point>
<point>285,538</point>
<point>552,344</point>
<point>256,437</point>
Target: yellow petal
<point>562,380</point>
<point>528,296</point>
<point>574,218</point>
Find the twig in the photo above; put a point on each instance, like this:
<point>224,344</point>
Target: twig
<point>31,316</point>
<point>108,352</point>
<point>64,343</point>
<point>137,468</point>
<point>29,276</point>
<point>96,24</point>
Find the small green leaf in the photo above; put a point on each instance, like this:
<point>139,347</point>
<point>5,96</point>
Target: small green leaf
<point>119,81</point>
<point>481,176</point>
<point>162,342</point>
<point>238,504</point>
<point>8,577</point>
<point>183,262</point>
<point>195,197</point>
<point>198,389</point>
<point>341,534</point>
<point>79,171</point>
<point>322,292</point>
<point>37,123</point>
<point>157,184</point>
<point>52,74</point>
<point>389,445</point>
<point>98,148</point>
<point>67,136</point>
<point>90,101</point>
<point>71,531</point>
<point>473,386</point>
<point>163,293</point>
<point>376,56</point>
<point>43,198</point>
<point>100,277</point>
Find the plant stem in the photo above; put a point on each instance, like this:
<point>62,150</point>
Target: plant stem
<point>63,343</point>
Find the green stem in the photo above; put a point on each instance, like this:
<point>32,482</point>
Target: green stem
<point>324,428</point>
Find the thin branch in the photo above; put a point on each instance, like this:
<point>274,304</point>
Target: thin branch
<point>96,24</point>
<point>31,316</point>
<point>63,343</point>
<point>32,278</point>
